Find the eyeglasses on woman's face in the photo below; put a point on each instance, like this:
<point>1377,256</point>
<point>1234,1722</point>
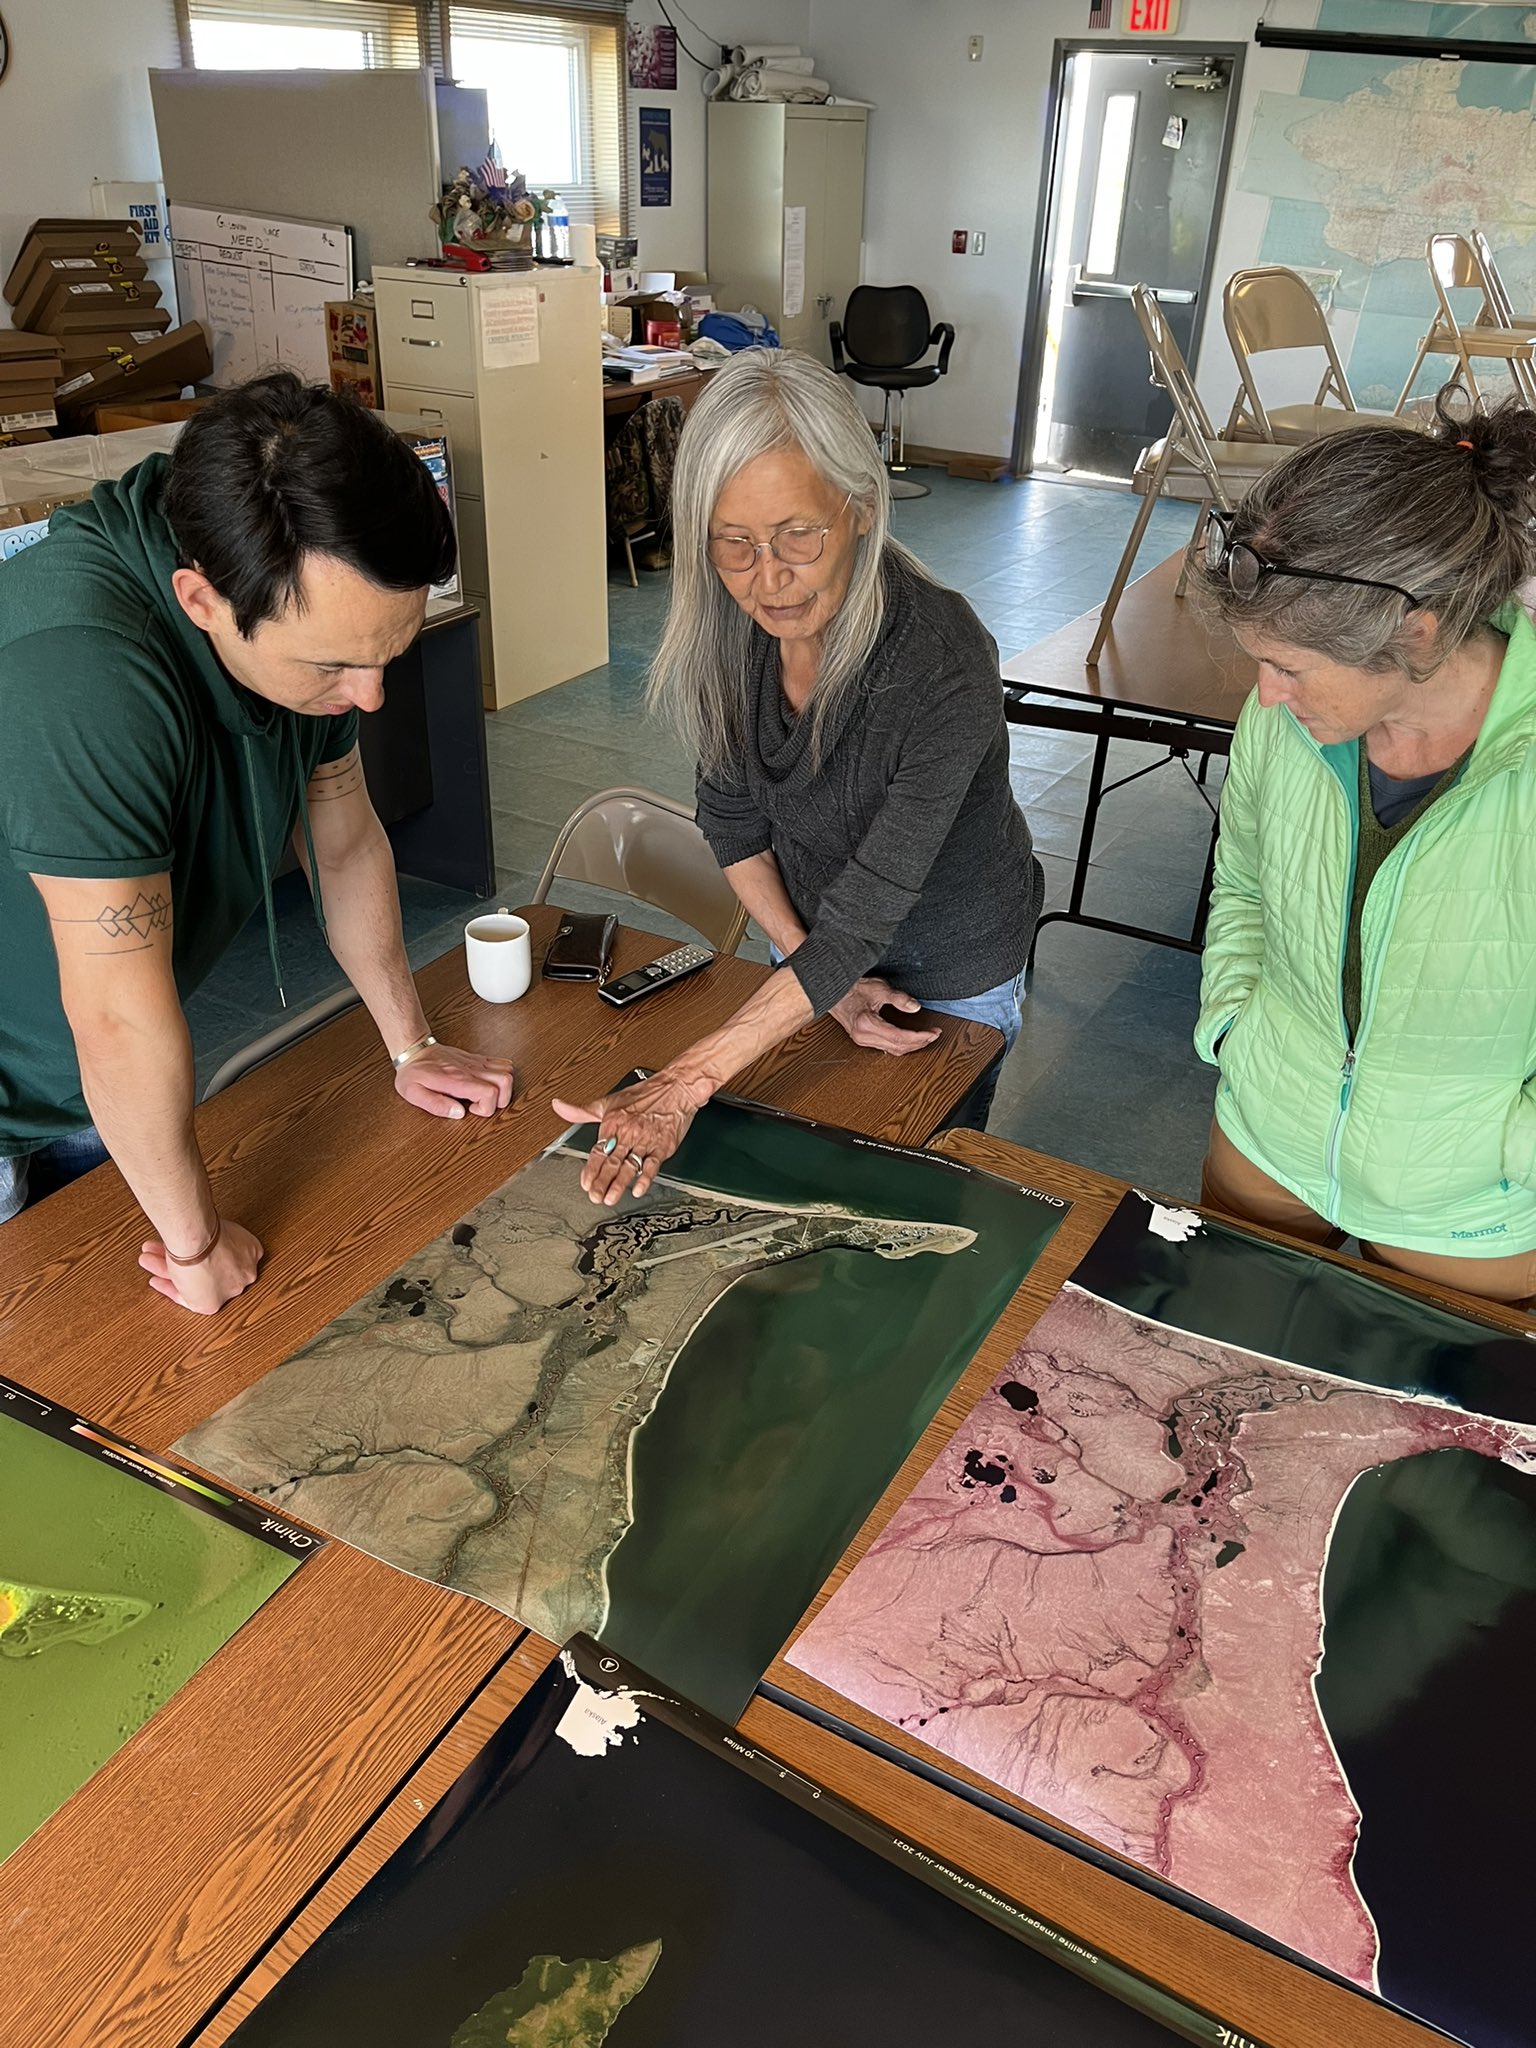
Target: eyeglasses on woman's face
<point>1245,568</point>
<point>797,545</point>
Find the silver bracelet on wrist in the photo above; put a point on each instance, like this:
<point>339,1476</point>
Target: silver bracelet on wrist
<point>399,1059</point>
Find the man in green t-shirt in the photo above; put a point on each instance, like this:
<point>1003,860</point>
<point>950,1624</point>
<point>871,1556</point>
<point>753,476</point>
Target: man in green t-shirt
<point>182,662</point>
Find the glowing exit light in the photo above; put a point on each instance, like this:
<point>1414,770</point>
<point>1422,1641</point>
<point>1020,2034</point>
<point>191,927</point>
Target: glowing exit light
<point>1150,17</point>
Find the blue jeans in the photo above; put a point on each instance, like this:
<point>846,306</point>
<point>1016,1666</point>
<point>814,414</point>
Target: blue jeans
<point>36,1174</point>
<point>1001,1007</point>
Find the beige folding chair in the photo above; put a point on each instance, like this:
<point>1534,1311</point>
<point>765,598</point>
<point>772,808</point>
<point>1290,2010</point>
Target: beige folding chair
<point>646,846</point>
<point>1191,462</point>
<point>1460,263</point>
<point>1500,305</point>
<point>1275,308</point>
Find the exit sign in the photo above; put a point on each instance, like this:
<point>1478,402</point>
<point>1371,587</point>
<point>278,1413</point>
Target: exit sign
<point>1150,17</point>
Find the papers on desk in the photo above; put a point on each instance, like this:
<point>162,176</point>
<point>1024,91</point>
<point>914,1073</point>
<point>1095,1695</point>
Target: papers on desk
<point>641,365</point>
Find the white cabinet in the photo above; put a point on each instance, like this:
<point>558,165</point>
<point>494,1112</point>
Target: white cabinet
<point>765,158</point>
<point>526,440</point>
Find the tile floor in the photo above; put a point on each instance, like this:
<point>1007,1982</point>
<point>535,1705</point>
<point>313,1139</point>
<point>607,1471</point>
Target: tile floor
<point>1104,1073</point>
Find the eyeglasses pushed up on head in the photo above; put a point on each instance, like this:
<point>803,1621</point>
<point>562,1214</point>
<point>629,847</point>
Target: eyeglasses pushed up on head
<point>797,545</point>
<point>1245,568</point>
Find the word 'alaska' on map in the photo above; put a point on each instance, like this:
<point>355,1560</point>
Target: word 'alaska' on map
<point>1105,1596</point>
<point>471,1419</point>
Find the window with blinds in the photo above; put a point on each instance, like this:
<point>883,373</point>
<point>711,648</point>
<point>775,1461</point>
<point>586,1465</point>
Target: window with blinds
<point>286,35</point>
<point>554,84</point>
<point>553,75</point>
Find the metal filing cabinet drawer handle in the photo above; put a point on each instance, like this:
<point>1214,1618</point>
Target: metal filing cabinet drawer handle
<point>420,341</point>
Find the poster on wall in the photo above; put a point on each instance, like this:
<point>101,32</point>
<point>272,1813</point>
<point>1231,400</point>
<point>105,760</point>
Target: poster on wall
<point>655,156</point>
<point>1240,1550</point>
<point>660,1423</point>
<point>651,51</point>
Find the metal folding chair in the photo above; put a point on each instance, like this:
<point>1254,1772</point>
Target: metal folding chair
<point>1465,263</point>
<point>643,845</point>
<point>1270,309</point>
<point>1191,462</point>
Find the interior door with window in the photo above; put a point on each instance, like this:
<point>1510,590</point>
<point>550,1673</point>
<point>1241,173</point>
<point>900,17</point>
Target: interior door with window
<point>1140,157</point>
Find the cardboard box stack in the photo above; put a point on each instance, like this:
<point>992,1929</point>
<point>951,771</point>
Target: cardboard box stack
<point>82,285</point>
<point>29,376</point>
<point>156,368</point>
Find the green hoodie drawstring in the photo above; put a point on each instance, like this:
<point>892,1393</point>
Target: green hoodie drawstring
<point>273,952</point>
<point>266,870</point>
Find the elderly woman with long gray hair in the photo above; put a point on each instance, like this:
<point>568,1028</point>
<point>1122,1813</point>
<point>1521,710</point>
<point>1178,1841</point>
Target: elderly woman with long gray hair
<point>1369,988</point>
<point>846,713</point>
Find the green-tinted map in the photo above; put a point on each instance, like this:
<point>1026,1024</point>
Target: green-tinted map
<point>114,1589</point>
<point>1377,153</point>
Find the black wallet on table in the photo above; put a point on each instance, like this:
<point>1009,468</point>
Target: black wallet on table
<point>582,946</point>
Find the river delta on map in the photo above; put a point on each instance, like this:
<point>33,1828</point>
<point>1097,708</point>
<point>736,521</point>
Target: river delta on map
<point>1373,155</point>
<point>472,1419</point>
<point>1105,1596</point>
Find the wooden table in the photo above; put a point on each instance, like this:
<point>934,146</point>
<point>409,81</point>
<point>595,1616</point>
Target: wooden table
<point>1164,677</point>
<point>132,1912</point>
<point>1258,1993</point>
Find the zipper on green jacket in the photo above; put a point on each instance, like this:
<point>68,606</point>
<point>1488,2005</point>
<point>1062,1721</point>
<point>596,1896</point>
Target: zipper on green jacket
<point>1399,854</point>
<point>1351,798</point>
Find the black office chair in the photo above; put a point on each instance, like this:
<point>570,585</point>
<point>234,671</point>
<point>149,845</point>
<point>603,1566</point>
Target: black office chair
<point>885,330</point>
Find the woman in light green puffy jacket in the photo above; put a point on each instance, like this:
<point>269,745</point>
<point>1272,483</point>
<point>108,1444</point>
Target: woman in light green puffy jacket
<point>1369,984</point>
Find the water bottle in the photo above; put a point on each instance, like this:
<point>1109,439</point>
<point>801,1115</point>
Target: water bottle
<point>559,231</point>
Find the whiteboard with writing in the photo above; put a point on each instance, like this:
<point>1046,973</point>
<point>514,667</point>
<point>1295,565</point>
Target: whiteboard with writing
<point>261,285</point>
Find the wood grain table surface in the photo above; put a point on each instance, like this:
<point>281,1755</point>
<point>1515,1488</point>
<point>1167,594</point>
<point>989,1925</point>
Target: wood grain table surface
<point>135,1908</point>
<point>1160,656</point>
<point>1258,1994</point>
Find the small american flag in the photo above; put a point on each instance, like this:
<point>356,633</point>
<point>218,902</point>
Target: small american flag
<point>489,175</point>
<point>1099,13</point>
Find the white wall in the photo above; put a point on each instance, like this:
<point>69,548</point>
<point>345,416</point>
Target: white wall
<point>74,105</point>
<point>956,144</point>
<point>951,144</point>
<point>672,237</point>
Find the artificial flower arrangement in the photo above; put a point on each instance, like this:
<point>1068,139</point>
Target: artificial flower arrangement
<point>485,209</point>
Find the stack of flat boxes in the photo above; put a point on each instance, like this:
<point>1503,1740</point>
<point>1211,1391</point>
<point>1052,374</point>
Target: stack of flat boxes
<point>82,285</point>
<point>29,375</point>
<point>82,300</point>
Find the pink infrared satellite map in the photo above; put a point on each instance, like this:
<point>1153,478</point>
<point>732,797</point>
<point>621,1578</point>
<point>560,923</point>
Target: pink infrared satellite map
<point>1105,1597</point>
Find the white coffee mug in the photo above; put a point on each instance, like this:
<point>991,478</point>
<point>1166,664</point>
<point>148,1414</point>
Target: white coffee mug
<point>500,956</point>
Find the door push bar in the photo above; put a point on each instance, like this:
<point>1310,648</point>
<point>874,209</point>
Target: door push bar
<point>1103,288</point>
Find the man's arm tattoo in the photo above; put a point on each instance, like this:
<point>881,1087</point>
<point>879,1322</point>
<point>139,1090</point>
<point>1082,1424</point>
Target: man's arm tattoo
<point>127,927</point>
<point>334,779</point>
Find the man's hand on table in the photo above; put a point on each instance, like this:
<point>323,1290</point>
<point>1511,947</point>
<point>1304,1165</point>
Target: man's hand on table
<point>637,1128</point>
<point>859,1015</point>
<point>445,1082</point>
<point>204,1288</point>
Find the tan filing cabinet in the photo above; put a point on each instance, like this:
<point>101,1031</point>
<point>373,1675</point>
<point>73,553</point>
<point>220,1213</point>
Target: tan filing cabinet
<point>763,157</point>
<point>526,438</point>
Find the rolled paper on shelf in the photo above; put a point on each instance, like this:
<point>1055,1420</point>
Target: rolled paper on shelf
<point>759,83</point>
<point>756,53</point>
